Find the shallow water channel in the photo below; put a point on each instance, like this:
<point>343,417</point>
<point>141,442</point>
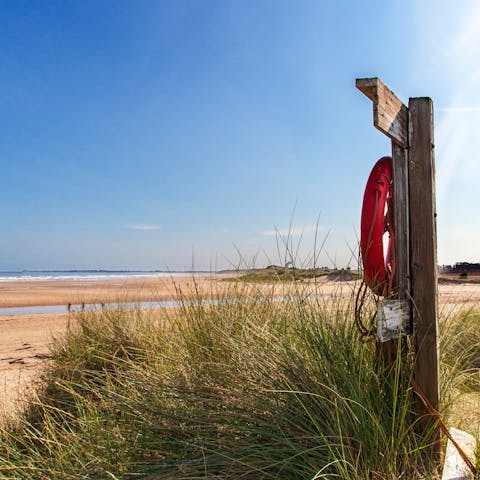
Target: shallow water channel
<point>39,309</point>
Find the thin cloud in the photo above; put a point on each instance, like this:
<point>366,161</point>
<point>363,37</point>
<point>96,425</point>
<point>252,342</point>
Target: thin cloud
<point>143,227</point>
<point>292,232</point>
<point>459,109</point>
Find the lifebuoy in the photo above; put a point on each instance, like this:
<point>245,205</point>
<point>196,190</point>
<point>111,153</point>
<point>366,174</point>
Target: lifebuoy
<point>376,220</point>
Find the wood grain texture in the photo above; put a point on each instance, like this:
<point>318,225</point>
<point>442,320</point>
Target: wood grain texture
<point>387,351</point>
<point>423,250</point>
<point>390,115</point>
<point>401,221</point>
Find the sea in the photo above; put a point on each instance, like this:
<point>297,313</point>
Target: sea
<point>36,275</point>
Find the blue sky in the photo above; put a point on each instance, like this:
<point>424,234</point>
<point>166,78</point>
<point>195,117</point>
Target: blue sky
<point>172,134</point>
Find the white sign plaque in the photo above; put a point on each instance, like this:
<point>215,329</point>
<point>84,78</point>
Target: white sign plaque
<point>393,319</point>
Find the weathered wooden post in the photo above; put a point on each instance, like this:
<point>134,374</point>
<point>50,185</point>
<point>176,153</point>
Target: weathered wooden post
<point>423,249</point>
<point>415,284</point>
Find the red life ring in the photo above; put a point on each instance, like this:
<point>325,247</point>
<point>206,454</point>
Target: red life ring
<point>376,220</point>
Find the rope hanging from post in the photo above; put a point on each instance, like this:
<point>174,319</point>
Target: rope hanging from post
<point>367,331</point>
<point>438,418</point>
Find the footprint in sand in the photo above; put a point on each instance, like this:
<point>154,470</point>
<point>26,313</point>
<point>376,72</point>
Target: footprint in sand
<point>17,360</point>
<point>25,347</point>
<point>41,356</point>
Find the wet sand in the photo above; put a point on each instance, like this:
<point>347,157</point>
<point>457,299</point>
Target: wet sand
<point>62,292</point>
<point>25,339</point>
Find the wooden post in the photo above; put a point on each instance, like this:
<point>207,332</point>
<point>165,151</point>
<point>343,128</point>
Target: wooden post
<point>411,132</point>
<point>401,217</point>
<point>423,251</point>
<point>401,226</point>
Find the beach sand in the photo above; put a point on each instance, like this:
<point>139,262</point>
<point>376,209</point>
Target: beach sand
<point>62,292</point>
<point>25,339</point>
<point>24,351</point>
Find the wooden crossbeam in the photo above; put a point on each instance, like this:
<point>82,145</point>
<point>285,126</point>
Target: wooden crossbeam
<point>390,115</point>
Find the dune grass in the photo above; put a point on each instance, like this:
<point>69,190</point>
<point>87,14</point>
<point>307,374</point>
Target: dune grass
<point>275,273</point>
<point>249,387</point>
<point>460,354</point>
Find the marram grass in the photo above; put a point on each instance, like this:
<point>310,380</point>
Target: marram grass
<point>252,388</point>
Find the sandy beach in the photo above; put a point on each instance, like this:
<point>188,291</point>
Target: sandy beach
<point>24,350</point>
<point>25,339</point>
<point>19,293</point>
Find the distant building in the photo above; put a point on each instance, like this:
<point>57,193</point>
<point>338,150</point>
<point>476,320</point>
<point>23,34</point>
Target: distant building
<point>460,267</point>
<point>467,267</point>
